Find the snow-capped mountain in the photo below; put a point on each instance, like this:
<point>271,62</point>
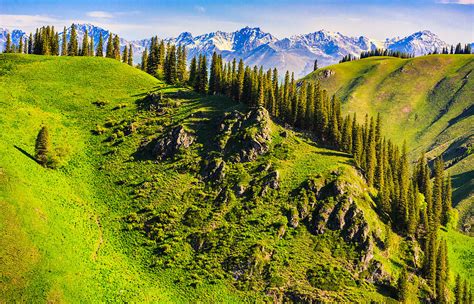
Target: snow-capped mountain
<point>419,43</point>
<point>94,31</point>
<point>256,47</point>
<point>15,35</point>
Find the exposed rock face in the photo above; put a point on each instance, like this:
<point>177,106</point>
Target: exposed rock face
<point>270,181</point>
<point>214,171</point>
<point>327,73</point>
<point>170,144</point>
<point>244,137</point>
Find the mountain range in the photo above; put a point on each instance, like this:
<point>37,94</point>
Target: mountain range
<point>256,47</point>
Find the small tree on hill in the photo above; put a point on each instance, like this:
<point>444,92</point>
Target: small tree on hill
<point>8,44</point>
<point>42,146</point>
<point>403,286</point>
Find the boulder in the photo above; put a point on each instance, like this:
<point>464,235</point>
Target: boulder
<point>170,144</point>
<point>244,137</point>
<point>270,181</point>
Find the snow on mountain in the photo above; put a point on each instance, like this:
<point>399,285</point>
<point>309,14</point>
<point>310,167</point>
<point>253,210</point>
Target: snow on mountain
<point>256,47</point>
<point>231,45</point>
<point>419,43</point>
<point>94,31</point>
<point>15,35</point>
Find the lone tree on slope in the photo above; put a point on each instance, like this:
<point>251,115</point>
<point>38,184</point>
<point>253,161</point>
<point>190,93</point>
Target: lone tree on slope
<point>42,146</point>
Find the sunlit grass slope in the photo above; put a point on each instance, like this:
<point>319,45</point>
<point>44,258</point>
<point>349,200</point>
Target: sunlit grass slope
<point>426,101</point>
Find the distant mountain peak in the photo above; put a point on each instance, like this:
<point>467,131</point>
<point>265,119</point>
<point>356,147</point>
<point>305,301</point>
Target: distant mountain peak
<point>257,47</point>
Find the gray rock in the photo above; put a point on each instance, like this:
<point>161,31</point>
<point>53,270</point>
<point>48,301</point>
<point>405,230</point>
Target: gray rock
<point>271,181</point>
<point>170,144</point>
<point>214,171</point>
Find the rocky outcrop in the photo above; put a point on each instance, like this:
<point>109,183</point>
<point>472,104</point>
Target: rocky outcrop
<point>244,137</point>
<point>214,170</point>
<point>270,181</point>
<point>172,142</point>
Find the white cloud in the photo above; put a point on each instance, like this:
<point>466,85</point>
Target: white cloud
<point>100,14</point>
<point>29,23</point>
<point>462,2</point>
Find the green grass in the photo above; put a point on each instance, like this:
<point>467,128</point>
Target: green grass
<point>115,225</point>
<point>425,101</point>
<point>62,234</point>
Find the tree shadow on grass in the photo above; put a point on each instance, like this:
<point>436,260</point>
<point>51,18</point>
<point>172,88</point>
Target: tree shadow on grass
<point>26,154</point>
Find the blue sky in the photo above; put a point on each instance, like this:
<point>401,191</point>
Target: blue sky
<point>452,20</point>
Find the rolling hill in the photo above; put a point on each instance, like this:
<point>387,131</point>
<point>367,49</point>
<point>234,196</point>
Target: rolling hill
<point>427,101</point>
<point>165,195</point>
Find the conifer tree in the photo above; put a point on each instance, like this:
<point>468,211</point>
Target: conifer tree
<point>72,46</point>
<point>109,53</point>
<point>370,155</point>
<point>30,44</point>
<point>64,46</point>
<point>240,80</point>
<point>125,54</point>
<point>315,67</point>
<point>42,146</point>
<point>438,191</point>
<point>55,47</point>
<point>116,44</point>
<point>301,107</point>
<point>8,44</point>
<point>202,76</point>
<point>441,274</point>
<point>20,47</point>
<point>85,45</point>
<point>403,286</point>
<point>181,65</point>
<point>99,51</point>
<point>447,200</point>
<point>130,55</point>
<point>192,72</point>
<point>170,65</point>
<point>213,78</point>
<point>144,64</point>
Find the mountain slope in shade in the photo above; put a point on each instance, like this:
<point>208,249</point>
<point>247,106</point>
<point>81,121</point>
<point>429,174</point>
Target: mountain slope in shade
<point>256,47</point>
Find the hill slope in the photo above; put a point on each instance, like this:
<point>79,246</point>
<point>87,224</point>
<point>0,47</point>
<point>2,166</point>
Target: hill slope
<point>171,196</point>
<point>427,101</point>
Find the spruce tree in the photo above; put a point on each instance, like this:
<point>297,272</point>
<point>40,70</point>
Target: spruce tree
<point>125,54</point>
<point>441,275</point>
<point>116,44</point>
<point>20,47</point>
<point>42,146</point>
<point>181,65</point>
<point>144,64</point>
<point>170,65</point>
<point>8,44</point>
<point>370,155</point>
<point>99,51</point>
<point>130,55</point>
<point>72,46</point>
<point>438,191</point>
<point>30,44</point>
<point>85,45</point>
<point>403,286</point>
<point>64,46</point>
<point>109,53</point>
<point>447,200</point>
<point>192,72</point>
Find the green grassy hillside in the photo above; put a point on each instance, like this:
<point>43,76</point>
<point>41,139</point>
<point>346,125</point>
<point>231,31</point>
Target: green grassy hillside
<point>427,101</point>
<point>116,224</point>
